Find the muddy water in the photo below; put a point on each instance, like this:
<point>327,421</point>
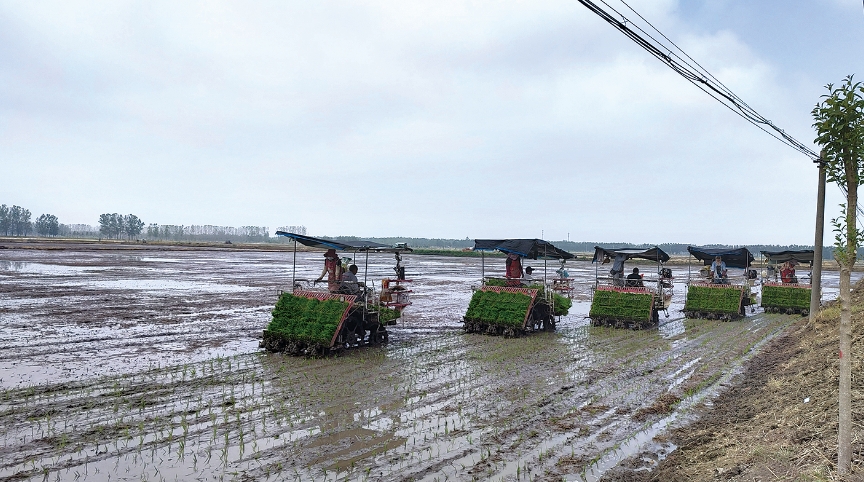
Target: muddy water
<point>134,366</point>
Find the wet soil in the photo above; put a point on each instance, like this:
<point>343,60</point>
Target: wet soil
<point>779,421</point>
<point>144,365</point>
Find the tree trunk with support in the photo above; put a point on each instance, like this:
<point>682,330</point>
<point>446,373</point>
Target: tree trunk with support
<point>839,123</point>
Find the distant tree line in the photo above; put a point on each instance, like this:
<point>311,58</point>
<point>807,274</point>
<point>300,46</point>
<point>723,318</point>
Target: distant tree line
<point>171,232</point>
<point>293,229</point>
<point>118,225</point>
<point>15,221</point>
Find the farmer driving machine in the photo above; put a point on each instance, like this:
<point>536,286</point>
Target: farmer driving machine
<point>315,321</point>
<point>518,303</point>
<point>786,294</point>
<point>713,293</point>
<point>633,302</point>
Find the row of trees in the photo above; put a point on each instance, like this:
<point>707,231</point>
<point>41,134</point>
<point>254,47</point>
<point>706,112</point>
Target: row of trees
<point>117,225</point>
<point>15,221</point>
<point>208,232</point>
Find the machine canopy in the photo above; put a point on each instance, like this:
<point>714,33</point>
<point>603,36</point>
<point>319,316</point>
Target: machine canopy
<point>527,248</point>
<point>653,254</point>
<point>801,255</point>
<point>734,258</point>
<point>345,245</point>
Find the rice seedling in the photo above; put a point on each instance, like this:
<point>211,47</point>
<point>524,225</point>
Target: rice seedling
<point>786,297</point>
<point>725,299</point>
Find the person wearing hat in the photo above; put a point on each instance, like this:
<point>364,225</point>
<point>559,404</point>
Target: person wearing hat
<point>333,270</point>
<point>634,279</point>
<point>718,271</point>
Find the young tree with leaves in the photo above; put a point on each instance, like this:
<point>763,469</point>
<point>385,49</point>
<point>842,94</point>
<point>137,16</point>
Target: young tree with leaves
<point>839,123</point>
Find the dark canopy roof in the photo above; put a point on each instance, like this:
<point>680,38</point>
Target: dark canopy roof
<point>801,255</point>
<point>736,258</point>
<point>653,254</point>
<point>345,245</point>
<point>528,248</point>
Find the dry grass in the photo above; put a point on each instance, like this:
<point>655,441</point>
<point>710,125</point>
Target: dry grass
<point>780,422</point>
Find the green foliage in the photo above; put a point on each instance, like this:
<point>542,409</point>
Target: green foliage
<point>15,221</point>
<point>305,319</point>
<point>504,309</point>
<point>839,123</point>
<point>47,225</point>
<point>386,314</point>
<point>715,299</point>
<point>785,297</point>
<point>562,304</point>
<point>621,306</point>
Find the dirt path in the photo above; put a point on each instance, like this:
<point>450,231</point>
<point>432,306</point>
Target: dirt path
<point>779,422</point>
<point>145,366</point>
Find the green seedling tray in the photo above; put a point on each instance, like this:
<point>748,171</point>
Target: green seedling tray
<point>786,296</point>
<point>725,299</point>
<point>310,316</point>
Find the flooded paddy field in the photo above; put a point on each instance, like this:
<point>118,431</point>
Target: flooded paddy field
<point>144,365</point>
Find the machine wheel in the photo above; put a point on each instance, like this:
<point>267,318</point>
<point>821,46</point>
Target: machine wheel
<point>379,335</point>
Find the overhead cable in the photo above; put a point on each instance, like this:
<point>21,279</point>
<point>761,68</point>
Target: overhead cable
<point>693,72</point>
<point>690,69</point>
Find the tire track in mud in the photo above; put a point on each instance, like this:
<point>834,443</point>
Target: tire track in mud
<point>460,406</point>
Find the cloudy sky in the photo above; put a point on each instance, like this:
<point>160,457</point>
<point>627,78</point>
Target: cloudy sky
<point>434,119</point>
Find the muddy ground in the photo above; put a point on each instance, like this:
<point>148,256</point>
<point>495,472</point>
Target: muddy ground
<point>779,420</point>
<point>143,364</point>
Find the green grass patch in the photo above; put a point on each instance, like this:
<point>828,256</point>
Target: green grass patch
<point>621,306</point>
<point>503,309</point>
<point>786,297</point>
<point>305,319</point>
<point>726,299</point>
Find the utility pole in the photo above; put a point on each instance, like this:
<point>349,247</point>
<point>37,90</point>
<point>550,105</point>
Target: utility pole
<point>816,281</point>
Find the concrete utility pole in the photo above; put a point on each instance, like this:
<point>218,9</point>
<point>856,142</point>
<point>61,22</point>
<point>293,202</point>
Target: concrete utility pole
<point>816,282</point>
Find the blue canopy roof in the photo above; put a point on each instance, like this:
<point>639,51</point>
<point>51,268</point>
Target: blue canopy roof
<point>735,258</point>
<point>345,245</point>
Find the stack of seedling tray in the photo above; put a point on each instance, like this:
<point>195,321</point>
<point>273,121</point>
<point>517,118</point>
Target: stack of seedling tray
<point>618,307</point>
<point>562,304</point>
<point>786,298</point>
<point>498,310</point>
<point>715,301</point>
<point>306,322</point>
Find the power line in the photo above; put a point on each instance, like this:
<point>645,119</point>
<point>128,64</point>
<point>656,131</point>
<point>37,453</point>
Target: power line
<point>699,76</point>
<point>693,72</point>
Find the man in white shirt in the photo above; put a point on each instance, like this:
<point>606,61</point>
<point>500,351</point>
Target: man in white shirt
<point>350,284</point>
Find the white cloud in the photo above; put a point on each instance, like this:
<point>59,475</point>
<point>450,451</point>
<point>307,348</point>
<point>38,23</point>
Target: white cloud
<point>444,119</point>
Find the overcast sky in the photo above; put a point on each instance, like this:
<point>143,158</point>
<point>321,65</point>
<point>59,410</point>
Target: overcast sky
<point>430,119</point>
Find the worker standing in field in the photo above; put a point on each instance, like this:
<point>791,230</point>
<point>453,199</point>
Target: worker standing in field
<point>514,269</point>
<point>333,270</point>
